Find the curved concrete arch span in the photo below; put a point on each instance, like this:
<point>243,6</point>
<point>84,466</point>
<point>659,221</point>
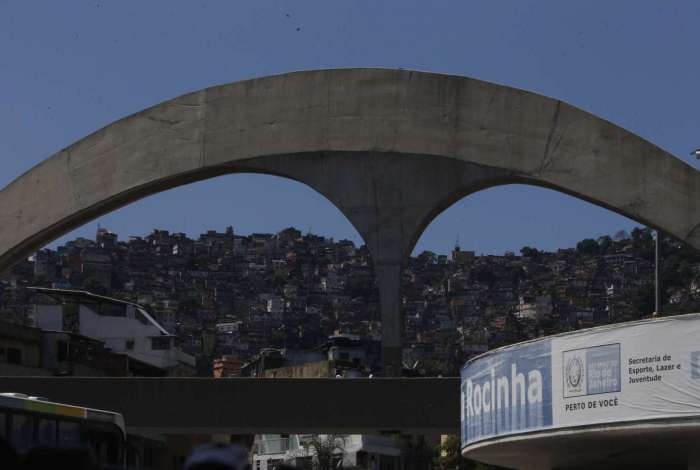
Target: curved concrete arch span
<point>390,148</point>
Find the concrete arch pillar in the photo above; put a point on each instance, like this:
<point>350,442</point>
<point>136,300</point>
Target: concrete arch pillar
<point>390,199</point>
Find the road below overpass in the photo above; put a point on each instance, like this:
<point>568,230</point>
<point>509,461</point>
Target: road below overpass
<point>242,405</point>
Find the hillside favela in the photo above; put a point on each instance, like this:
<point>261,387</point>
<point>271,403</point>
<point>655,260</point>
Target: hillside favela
<point>293,304</point>
<point>366,235</point>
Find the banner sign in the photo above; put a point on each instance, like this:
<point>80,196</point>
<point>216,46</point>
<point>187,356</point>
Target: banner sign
<point>625,372</point>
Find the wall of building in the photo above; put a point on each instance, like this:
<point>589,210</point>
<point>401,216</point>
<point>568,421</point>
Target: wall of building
<point>49,317</point>
<point>312,370</point>
<point>15,370</point>
<point>20,345</point>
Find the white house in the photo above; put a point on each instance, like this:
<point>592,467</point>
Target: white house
<point>124,327</point>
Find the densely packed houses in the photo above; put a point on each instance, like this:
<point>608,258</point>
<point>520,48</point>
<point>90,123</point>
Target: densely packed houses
<point>230,294</point>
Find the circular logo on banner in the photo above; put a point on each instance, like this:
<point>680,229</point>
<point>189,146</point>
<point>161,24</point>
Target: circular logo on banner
<point>574,371</point>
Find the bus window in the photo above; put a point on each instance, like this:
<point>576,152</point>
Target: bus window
<point>22,431</point>
<point>107,441</point>
<point>68,432</point>
<point>46,432</point>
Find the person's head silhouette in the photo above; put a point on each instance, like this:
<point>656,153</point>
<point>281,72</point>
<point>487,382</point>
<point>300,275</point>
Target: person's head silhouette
<point>213,456</point>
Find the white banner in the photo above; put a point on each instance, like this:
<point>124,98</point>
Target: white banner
<point>625,372</point>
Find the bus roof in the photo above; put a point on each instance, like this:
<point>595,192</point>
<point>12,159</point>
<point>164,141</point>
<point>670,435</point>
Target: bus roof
<point>23,402</point>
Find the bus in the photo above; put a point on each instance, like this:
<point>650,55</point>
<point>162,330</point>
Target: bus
<point>27,422</point>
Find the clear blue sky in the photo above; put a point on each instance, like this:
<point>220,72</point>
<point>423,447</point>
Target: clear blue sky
<point>68,68</point>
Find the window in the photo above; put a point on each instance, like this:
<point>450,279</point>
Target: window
<point>387,463</point>
<point>62,351</point>
<point>362,460</point>
<point>14,356</point>
<point>22,431</point>
<point>68,432</point>
<point>70,309</point>
<point>71,318</point>
<point>106,440</point>
<point>129,344</point>
<point>3,425</point>
<point>160,342</point>
<point>273,464</point>
<point>46,432</point>
<point>305,463</point>
<point>113,310</point>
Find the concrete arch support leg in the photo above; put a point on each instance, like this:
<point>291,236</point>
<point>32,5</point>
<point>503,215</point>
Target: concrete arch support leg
<point>390,199</point>
<point>389,283</point>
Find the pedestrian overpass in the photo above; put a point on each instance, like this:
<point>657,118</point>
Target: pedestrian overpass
<point>245,406</point>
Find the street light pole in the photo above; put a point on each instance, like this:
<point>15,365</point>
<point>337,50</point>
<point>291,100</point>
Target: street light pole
<point>657,276</point>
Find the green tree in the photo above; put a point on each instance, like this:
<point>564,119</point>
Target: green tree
<point>642,242</point>
<point>529,252</point>
<point>605,245</point>
<point>587,247</point>
<point>417,454</point>
<point>643,300</point>
<point>450,457</point>
<point>325,448</point>
<point>92,285</point>
<point>426,258</point>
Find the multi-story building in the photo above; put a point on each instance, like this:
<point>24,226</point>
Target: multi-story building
<point>26,350</point>
<point>123,327</point>
<point>352,450</point>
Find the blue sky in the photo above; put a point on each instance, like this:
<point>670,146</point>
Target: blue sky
<point>69,68</point>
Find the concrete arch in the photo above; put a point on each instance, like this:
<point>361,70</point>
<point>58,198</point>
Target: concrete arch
<point>388,147</point>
